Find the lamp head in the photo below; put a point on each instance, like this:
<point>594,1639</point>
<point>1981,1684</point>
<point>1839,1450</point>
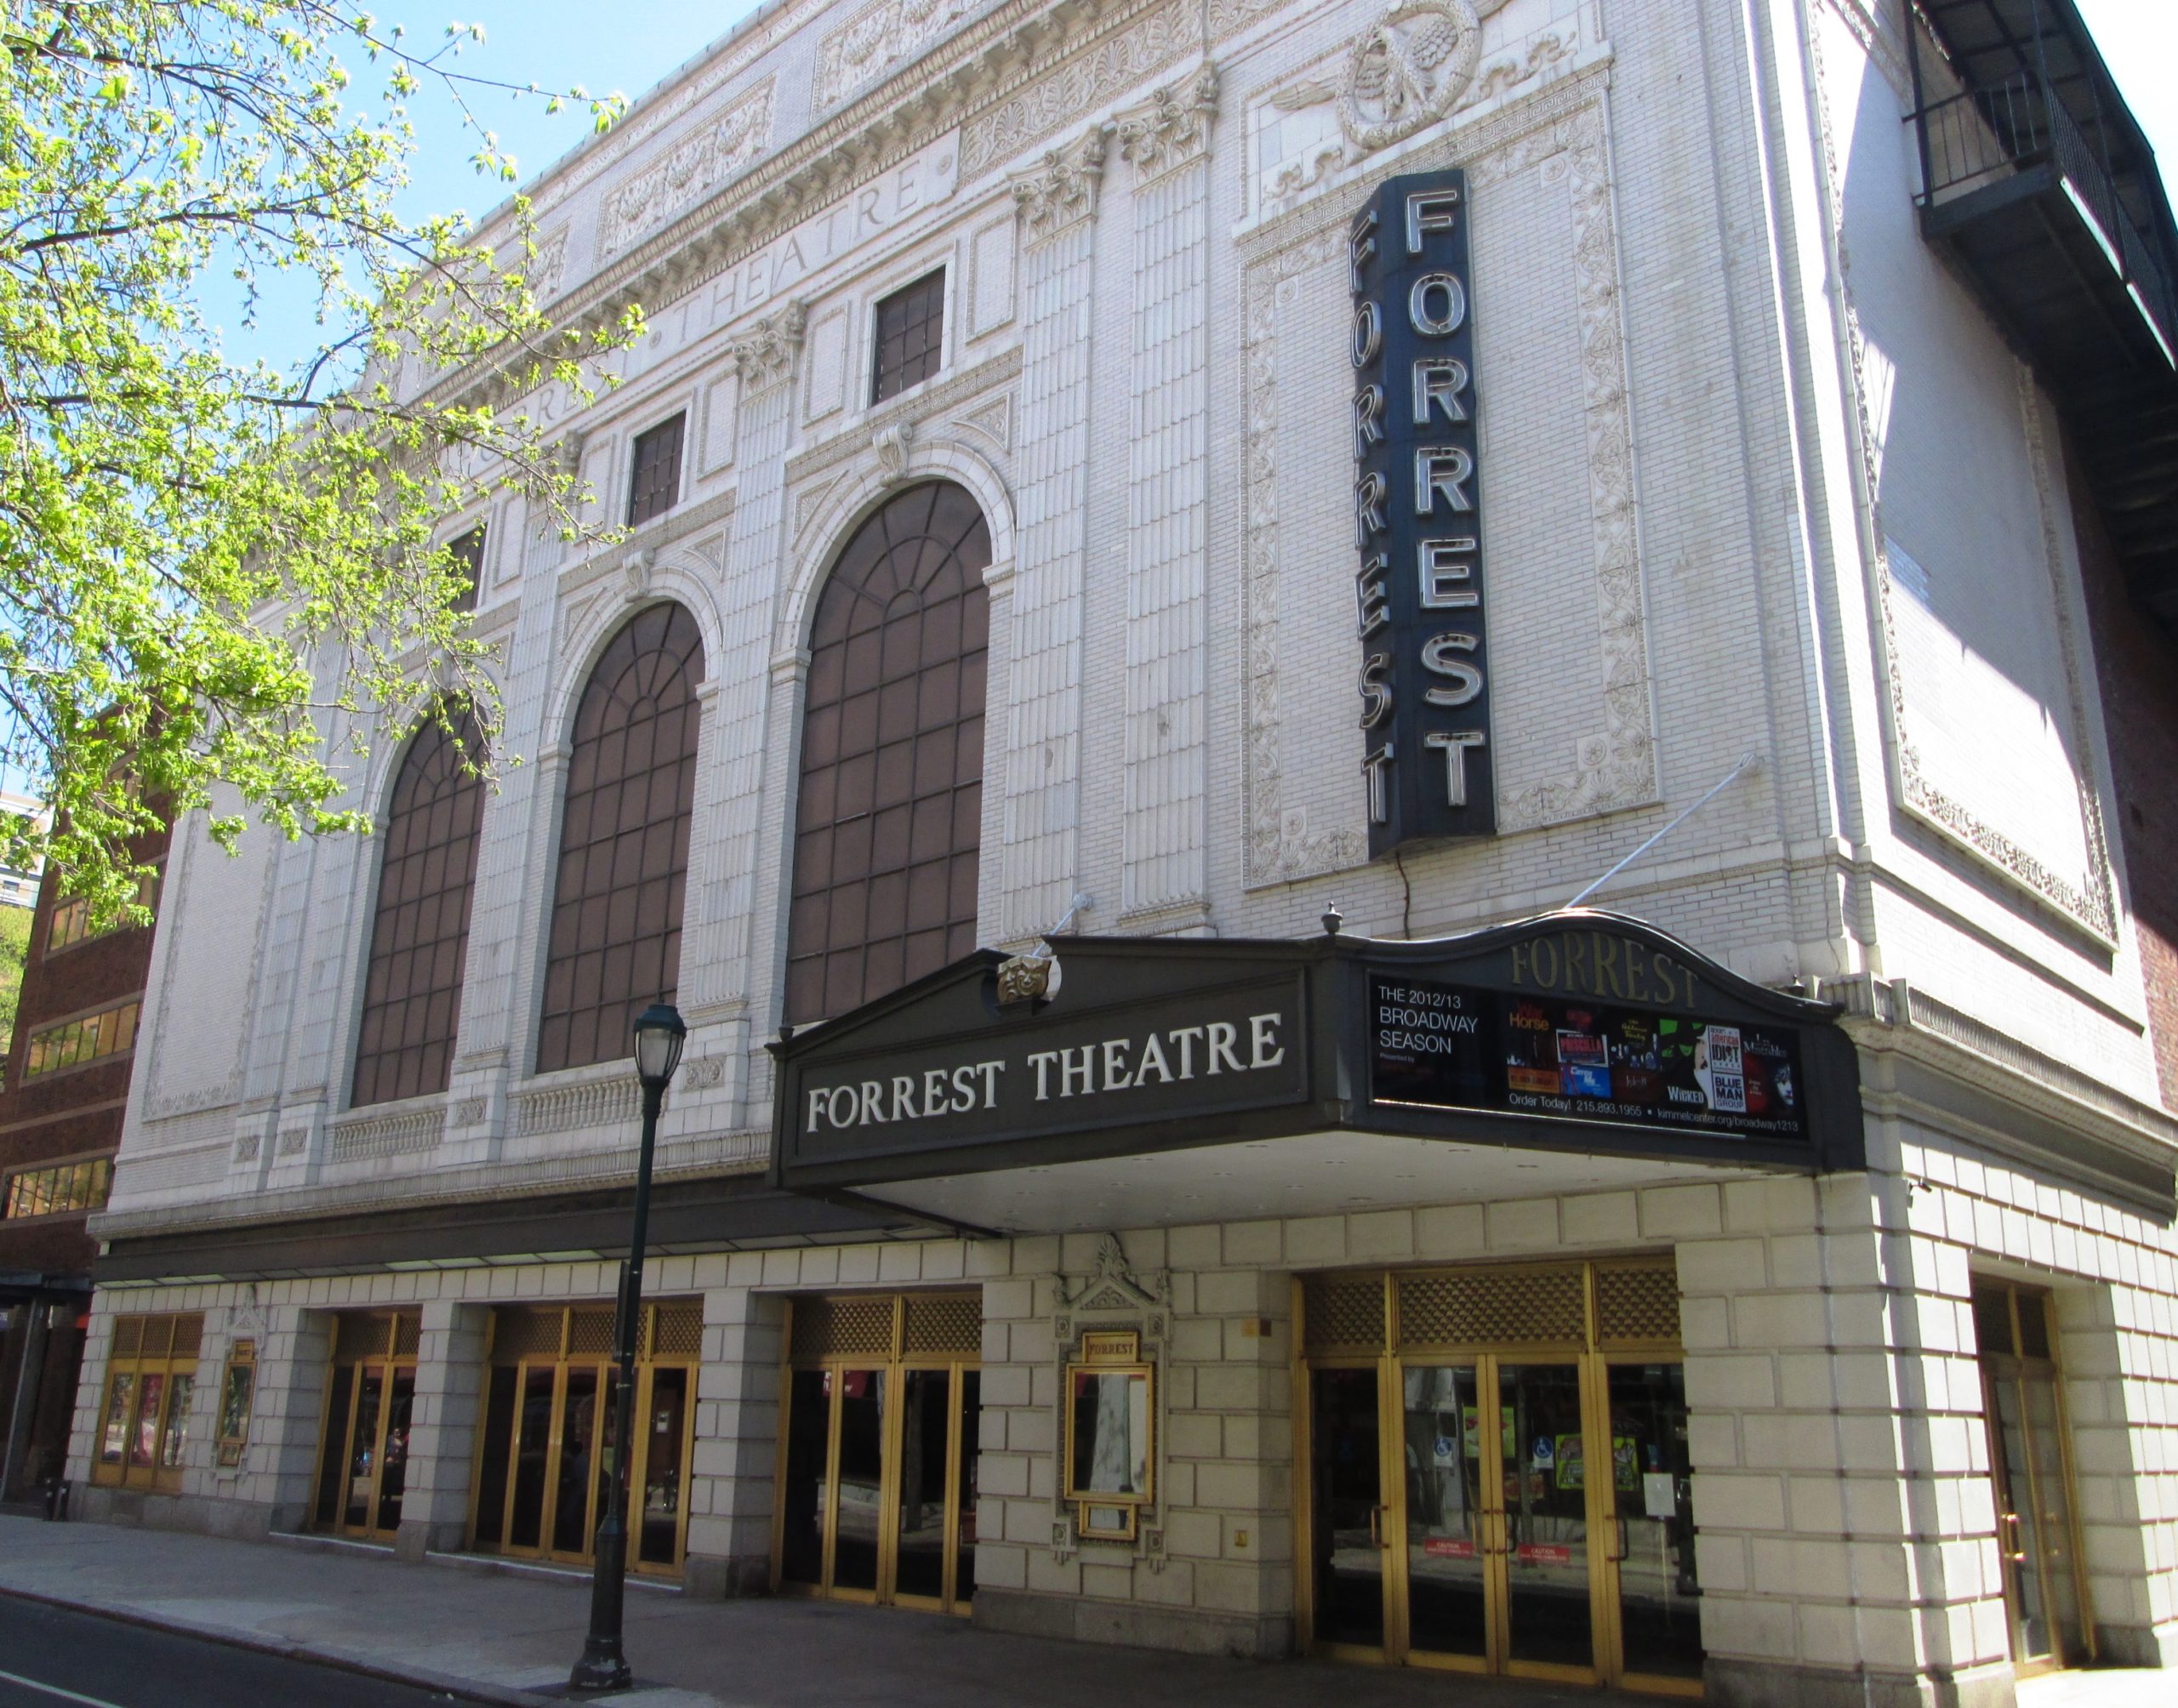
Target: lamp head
<point>660,1033</point>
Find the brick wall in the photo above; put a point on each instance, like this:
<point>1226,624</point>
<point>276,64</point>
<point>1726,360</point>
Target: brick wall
<point>2137,665</point>
<point>72,1111</point>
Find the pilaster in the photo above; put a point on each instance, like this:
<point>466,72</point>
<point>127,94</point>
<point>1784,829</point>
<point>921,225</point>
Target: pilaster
<point>443,1418</point>
<point>1057,203</point>
<point>1165,881</point>
<point>732,1484</point>
<point>715,962</point>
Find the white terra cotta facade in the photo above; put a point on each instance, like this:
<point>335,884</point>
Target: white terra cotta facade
<point>1761,479</point>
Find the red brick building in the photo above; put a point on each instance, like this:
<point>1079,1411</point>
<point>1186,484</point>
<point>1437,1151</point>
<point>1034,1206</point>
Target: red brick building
<point>61,1109</point>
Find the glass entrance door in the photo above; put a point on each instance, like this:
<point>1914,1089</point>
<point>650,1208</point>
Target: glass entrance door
<point>1506,1508</point>
<point>547,1455</point>
<point>364,1455</point>
<point>877,1495</point>
<point>2030,1470</point>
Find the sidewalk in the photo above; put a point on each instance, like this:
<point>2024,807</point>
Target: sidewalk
<point>511,1639</point>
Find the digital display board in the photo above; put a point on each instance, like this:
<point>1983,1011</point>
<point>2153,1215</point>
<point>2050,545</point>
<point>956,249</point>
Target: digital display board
<point>1461,1047</point>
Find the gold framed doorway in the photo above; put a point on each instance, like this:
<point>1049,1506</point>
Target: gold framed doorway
<point>1494,1472</point>
<point>545,1451</point>
<point>877,1459</point>
<point>370,1393</point>
<point>2046,1605</point>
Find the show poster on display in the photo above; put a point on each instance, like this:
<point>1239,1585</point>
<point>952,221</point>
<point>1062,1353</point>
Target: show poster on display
<point>1455,1046</point>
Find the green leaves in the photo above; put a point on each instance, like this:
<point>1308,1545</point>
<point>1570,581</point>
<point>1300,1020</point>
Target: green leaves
<point>222,585</point>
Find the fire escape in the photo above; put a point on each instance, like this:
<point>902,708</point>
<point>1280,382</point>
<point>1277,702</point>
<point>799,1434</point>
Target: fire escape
<point>2040,188</point>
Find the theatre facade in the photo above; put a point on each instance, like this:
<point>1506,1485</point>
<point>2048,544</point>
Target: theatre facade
<point>1403,765</point>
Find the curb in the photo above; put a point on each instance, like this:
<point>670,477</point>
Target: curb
<point>420,1677</point>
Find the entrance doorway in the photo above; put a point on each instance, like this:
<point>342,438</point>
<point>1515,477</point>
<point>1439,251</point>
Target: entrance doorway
<point>877,1474</point>
<point>2030,1463</point>
<point>545,1456</point>
<point>362,1466</point>
<point>1496,1473</point>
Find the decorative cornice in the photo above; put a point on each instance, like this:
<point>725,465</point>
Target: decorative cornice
<point>764,356</point>
<point>1019,73</point>
<point>1172,128</point>
<point>702,164</point>
<point>875,39</point>
<point>1059,192</point>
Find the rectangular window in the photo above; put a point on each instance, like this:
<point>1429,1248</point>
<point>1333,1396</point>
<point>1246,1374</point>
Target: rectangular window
<point>910,336</point>
<point>469,553</point>
<point>88,1038</point>
<point>58,1189</point>
<point>656,486</point>
<point>149,1386</point>
<point>71,922</point>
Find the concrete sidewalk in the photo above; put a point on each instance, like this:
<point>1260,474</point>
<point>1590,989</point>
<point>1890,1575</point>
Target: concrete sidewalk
<point>511,1637</point>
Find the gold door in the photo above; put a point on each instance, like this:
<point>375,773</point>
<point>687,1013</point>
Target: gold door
<point>363,1449</point>
<point>2030,1470</point>
<point>546,1454</point>
<point>877,1449</point>
<point>144,1417</point>
<point>1505,1480</point>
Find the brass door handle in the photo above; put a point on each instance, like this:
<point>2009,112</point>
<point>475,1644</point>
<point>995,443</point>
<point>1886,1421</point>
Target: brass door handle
<point>2016,1553</point>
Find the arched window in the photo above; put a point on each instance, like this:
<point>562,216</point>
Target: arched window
<point>419,935</point>
<point>615,944</point>
<point>889,818</point>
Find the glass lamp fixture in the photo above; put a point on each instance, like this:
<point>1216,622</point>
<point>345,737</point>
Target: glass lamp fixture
<point>660,1032</point>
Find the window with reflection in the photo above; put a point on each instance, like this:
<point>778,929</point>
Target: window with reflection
<point>419,935</point>
<point>615,944</point>
<point>889,814</point>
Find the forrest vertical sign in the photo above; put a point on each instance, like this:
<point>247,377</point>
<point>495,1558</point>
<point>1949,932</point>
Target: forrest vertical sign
<point>1417,521</point>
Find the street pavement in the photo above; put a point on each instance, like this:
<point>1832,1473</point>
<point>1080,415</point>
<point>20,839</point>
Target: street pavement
<point>490,1635</point>
<point>50,1654</point>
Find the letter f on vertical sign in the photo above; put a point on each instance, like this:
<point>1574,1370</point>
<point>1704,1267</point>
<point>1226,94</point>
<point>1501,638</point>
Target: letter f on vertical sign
<point>1427,211</point>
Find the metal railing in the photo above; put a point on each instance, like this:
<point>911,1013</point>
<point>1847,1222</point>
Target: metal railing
<point>1982,136</point>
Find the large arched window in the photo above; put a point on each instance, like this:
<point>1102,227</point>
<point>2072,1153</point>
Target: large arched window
<point>889,817</point>
<point>615,943</point>
<point>419,935</point>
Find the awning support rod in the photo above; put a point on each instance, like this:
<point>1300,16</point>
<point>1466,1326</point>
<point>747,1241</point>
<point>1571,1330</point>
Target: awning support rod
<point>1746,762</point>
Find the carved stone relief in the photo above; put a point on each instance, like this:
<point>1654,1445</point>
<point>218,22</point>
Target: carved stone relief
<point>1406,71</point>
<point>1060,190</point>
<point>1081,83</point>
<point>693,170</point>
<point>1302,153</point>
<point>874,40</point>
<point>1172,128</point>
<point>764,356</point>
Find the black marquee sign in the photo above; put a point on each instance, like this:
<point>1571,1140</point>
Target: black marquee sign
<point>1417,520</point>
<point>1583,1031</point>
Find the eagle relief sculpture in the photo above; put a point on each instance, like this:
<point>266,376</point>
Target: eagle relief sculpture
<point>1406,71</point>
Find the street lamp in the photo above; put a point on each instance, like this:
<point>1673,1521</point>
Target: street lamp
<point>660,1033</point>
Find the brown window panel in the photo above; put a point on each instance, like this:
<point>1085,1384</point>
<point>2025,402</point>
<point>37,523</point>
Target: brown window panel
<point>419,935</point>
<point>469,556</point>
<point>614,932</point>
<point>655,485</point>
<point>889,816</point>
<point>910,336</point>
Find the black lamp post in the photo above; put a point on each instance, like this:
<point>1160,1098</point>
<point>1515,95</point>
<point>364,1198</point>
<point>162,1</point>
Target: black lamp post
<point>660,1033</point>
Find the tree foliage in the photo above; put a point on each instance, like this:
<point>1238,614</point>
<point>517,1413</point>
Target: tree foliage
<point>218,580</point>
<point>14,955</point>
